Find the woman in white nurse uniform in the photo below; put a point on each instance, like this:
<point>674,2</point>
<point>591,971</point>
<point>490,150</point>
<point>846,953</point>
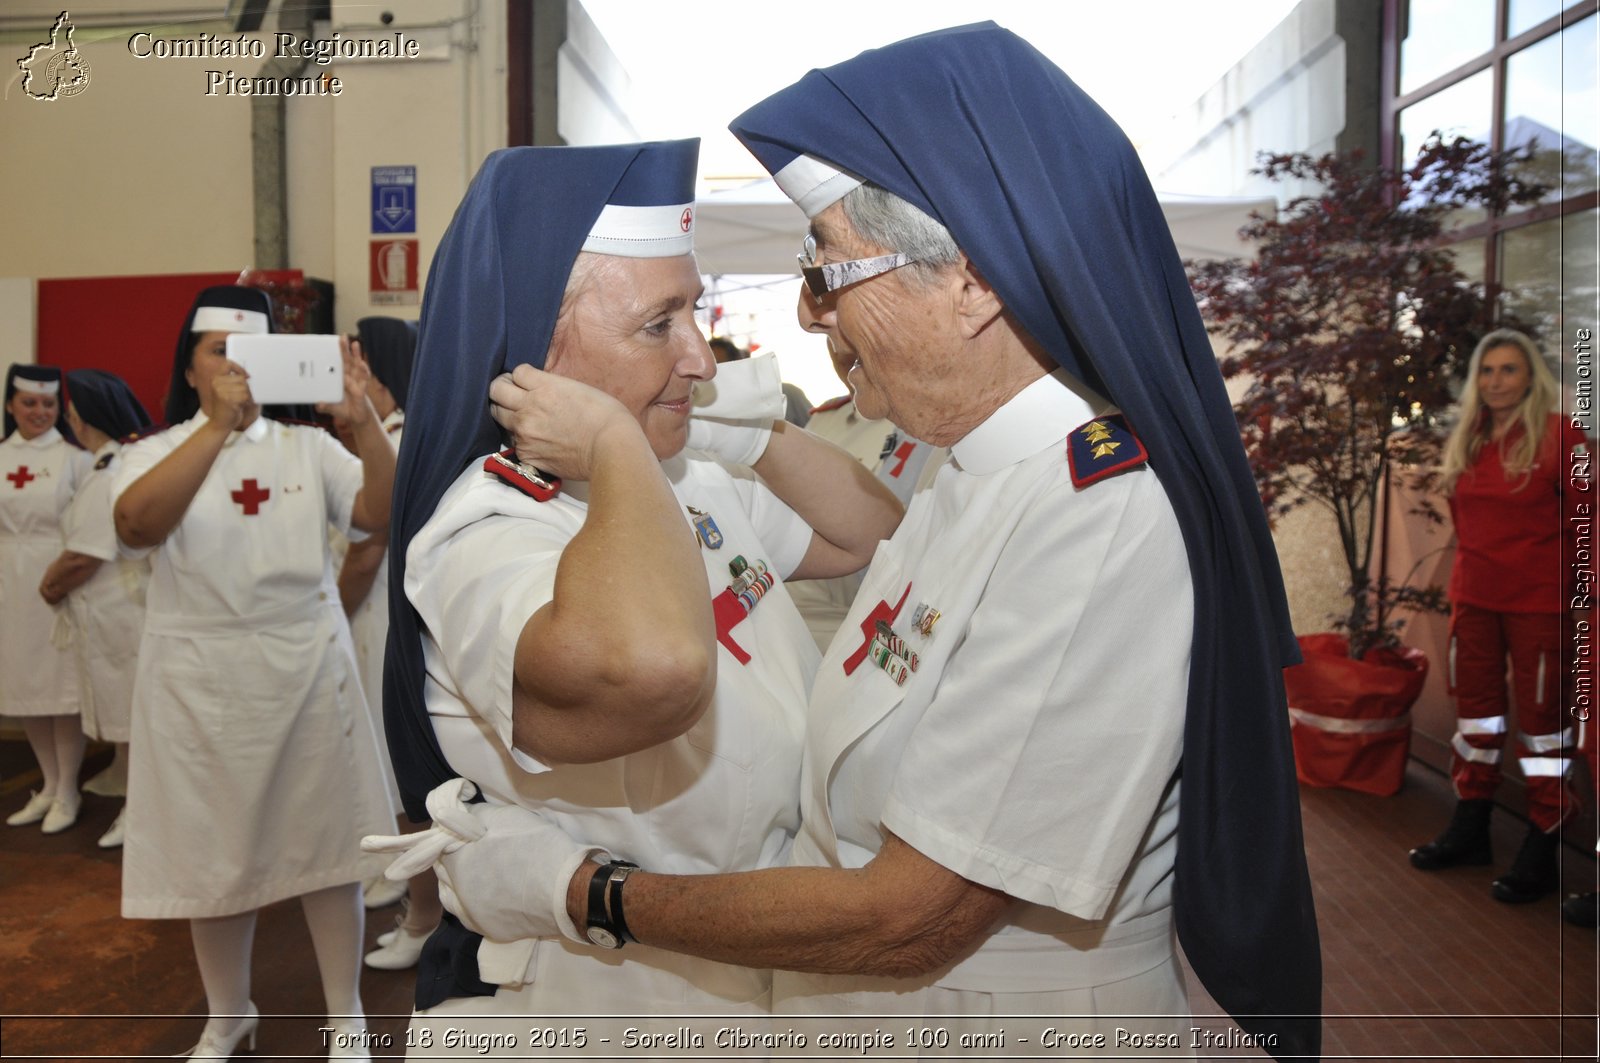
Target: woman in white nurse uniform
<point>41,470</point>
<point>254,769</point>
<point>614,647</point>
<point>104,594</point>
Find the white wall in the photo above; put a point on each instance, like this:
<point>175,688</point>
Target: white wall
<point>139,173</point>
<point>1287,94</point>
<point>143,173</point>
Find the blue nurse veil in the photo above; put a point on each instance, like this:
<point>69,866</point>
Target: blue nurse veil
<point>1047,197</point>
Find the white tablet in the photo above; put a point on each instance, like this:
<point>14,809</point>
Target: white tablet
<point>288,369</point>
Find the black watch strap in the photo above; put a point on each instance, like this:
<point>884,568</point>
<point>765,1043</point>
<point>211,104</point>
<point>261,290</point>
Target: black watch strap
<point>603,925</point>
<point>614,899</point>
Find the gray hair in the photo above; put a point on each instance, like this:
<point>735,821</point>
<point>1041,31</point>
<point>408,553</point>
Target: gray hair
<point>889,221</point>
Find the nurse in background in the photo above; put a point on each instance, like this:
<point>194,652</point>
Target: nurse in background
<point>388,345</point>
<point>254,770</point>
<point>104,594</point>
<point>41,470</point>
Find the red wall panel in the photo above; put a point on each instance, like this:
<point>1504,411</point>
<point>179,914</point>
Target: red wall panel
<point>125,325</point>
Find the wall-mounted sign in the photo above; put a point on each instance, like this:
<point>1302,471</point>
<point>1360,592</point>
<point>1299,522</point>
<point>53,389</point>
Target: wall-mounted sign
<point>393,273</point>
<point>394,199</point>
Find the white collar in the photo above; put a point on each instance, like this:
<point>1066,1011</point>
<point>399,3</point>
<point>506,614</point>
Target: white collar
<point>1037,417</point>
<point>396,418</point>
<point>255,433</point>
<point>48,438</point>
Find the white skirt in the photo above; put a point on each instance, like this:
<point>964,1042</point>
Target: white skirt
<point>253,770</point>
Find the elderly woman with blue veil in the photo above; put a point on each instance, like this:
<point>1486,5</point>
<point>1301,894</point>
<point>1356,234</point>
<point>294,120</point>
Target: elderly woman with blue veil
<point>1049,740</point>
<point>589,615</point>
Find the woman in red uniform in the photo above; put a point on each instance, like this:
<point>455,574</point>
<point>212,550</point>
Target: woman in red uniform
<point>1505,468</point>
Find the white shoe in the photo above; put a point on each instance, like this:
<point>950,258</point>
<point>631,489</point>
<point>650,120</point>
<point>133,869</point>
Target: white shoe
<point>217,1048</point>
<point>112,839</point>
<point>32,812</point>
<point>61,815</point>
<point>350,1040</point>
<point>398,953</point>
<point>112,782</point>
<point>381,893</point>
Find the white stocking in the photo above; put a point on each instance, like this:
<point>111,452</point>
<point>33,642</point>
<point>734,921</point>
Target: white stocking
<point>222,949</point>
<point>41,732</point>
<point>337,921</point>
<point>69,742</point>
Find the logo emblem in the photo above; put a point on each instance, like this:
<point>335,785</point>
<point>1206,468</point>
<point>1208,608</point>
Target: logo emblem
<point>686,222</point>
<point>55,69</point>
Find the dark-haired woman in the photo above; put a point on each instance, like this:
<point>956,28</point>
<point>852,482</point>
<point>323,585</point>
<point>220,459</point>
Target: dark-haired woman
<point>104,595</point>
<point>254,769</point>
<point>41,470</point>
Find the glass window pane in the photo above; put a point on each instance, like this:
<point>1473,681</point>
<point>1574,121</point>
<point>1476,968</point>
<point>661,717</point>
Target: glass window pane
<point>1440,35</point>
<point>1553,103</point>
<point>1549,275</point>
<point>1469,257</point>
<point>1526,14</point>
<point>1464,109</point>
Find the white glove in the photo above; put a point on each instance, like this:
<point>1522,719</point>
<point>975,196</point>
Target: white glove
<point>735,442</point>
<point>453,826</point>
<point>503,870</point>
<point>734,411</point>
<point>750,389</point>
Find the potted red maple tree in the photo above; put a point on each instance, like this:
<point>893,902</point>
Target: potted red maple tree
<point>1352,327</point>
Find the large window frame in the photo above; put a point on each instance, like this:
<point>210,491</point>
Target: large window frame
<point>1495,59</point>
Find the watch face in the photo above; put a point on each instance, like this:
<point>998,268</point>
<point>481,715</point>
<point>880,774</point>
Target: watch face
<point>599,935</point>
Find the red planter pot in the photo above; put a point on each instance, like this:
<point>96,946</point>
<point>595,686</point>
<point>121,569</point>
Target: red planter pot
<point>1351,720</point>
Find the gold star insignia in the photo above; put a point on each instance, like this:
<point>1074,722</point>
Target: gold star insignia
<point>1095,431</point>
<point>1105,450</point>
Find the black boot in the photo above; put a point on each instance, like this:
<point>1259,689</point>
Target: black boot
<point>1464,842</point>
<point>1534,872</point>
<point>1582,909</point>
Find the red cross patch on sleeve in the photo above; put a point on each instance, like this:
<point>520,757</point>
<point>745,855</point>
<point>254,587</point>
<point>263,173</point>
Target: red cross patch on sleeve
<point>1103,447</point>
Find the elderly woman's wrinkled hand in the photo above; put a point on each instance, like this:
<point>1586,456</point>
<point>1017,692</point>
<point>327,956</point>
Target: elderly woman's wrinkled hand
<point>553,422</point>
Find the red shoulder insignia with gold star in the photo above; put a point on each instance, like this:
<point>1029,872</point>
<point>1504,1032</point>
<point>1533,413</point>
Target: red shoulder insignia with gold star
<point>1103,447</point>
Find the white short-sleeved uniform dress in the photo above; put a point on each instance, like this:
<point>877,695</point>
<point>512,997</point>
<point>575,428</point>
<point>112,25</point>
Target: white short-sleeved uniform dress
<point>38,478</point>
<point>1033,750</point>
<point>107,611</point>
<point>721,797</point>
<point>369,627</point>
<point>253,768</point>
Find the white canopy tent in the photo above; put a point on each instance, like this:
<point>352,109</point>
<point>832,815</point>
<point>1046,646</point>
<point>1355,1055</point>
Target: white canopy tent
<point>756,229</point>
<point>746,239</point>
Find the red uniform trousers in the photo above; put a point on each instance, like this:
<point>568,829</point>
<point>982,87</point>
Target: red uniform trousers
<point>1480,642</point>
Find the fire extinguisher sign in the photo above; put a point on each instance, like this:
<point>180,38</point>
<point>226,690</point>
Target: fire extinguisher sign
<point>393,273</point>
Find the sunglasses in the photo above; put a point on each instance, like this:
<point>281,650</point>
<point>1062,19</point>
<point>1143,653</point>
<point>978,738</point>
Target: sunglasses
<point>820,280</point>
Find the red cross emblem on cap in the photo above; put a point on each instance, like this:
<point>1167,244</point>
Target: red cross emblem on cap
<point>687,221</point>
<point>238,315</point>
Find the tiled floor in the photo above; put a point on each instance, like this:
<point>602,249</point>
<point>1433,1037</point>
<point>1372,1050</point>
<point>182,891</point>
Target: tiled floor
<point>1417,966</point>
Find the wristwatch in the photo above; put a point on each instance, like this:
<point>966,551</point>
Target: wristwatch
<point>604,926</point>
